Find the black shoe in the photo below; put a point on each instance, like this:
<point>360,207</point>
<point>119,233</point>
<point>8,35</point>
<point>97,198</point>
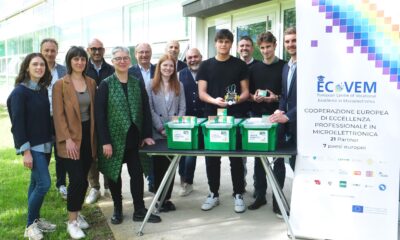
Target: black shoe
<point>167,206</point>
<point>117,216</point>
<point>139,215</point>
<point>257,203</point>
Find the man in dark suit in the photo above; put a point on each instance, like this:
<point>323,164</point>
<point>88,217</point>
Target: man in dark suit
<point>287,112</point>
<point>194,107</point>
<point>98,69</point>
<point>173,48</point>
<point>286,115</point>
<point>49,49</point>
<point>143,70</point>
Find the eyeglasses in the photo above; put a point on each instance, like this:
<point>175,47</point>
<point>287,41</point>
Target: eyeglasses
<point>119,59</point>
<point>93,49</point>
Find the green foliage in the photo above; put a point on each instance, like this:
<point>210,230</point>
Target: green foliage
<point>14,182</point>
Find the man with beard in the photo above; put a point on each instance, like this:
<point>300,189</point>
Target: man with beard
<point>286,115</point>
<point>98,69</point>
<point>194,107</point>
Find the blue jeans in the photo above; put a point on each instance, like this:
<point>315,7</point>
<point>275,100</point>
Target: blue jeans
<point>187,165</point>
<point>40,184</point>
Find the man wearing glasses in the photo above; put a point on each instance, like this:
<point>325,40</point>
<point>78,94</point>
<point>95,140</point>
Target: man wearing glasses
<point>98,69</point>
<point>144,71</point>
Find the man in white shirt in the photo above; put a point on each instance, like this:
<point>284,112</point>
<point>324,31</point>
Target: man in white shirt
<point>49,49</point>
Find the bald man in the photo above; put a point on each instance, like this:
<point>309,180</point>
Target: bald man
<point>194,107</point>
<point>173,48</point>
<point>98,69</point>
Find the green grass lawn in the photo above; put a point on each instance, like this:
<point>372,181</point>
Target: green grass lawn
<point>14,180</point>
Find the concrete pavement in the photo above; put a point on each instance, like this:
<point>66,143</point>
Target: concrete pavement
<point>190,222</point>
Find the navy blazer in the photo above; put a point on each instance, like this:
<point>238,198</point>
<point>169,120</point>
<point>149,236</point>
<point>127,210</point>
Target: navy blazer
<point>180,65</point>
<point>194,106</point>
<point>288,102</point>
<point>61,70</point>
<point>135,71</point>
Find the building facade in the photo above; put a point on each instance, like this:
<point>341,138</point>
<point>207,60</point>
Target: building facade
<point>127,22</point>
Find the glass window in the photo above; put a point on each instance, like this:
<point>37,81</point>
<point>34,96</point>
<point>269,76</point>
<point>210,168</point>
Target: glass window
<point>2,48</point>
<point>289,20</point>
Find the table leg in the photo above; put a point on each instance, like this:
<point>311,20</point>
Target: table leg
<point>277,191</point>
<point>169,182</point>
<point>171,170</point>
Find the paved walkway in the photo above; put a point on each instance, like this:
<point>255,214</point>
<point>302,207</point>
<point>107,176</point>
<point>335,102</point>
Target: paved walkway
<point>190,222</point>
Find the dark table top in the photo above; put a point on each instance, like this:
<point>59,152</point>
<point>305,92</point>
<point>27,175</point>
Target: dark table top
<point>160,148</point>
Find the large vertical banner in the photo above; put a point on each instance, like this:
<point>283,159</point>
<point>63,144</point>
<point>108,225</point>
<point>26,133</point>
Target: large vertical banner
<point>346,184</point>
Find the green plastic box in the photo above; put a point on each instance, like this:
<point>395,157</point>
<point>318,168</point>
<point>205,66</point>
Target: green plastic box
<point>220,136</point>
<point>258,135</point>
<point>183,136</point>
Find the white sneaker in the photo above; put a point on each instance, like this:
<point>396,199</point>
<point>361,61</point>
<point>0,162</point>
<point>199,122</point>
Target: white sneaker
<point>33,232</point>
<point>186,189</point>
<point>45,226</point>
<point>239,203</point>
<point>82,222</point>
<point>74,231</point>
<point>63,192</point>
<point>210,202</point>
<point>107,193</point>
<point>92,197</point>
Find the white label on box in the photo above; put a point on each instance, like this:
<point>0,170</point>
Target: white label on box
<point>219,136</point>
<point>180,135</point>
<point>257,136</point>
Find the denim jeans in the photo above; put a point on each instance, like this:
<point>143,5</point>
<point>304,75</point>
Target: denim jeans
<point>40,184</point>
<point>187,165</point>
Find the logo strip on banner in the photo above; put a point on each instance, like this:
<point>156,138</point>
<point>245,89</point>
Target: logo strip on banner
<point>346,183</point>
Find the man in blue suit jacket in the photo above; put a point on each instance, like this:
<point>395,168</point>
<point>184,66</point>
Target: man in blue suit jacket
<point>173,48</point>
<point>49,49</point>
<point>287,112</point>
<point>143,70</point>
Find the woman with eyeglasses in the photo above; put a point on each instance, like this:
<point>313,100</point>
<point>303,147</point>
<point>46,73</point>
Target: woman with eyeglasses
<point>122,120</point>
<point>29,110</point>
<point>73,115</point>
<point>167,99</point>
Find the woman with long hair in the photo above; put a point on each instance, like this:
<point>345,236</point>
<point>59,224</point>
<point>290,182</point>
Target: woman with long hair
<point>29,109</point>
<point>167,99</point>
<point>73,115</point>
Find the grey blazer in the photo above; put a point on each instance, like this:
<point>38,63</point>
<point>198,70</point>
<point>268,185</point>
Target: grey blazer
<point>162,110</point>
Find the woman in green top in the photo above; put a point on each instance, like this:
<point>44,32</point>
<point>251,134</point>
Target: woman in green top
<point>122,108</point>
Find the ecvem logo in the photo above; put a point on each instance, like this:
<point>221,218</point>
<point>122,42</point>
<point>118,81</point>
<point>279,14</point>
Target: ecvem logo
<point>348,87</point>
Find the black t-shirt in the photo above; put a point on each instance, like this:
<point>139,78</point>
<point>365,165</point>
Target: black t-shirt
<point>266,76</point>
<point>219,76</point>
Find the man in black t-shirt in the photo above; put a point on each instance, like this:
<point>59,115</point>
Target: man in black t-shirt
<point>265,88</point>
<point>216,75</point>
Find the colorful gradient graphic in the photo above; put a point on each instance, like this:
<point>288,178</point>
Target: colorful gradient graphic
<point>369,29</point>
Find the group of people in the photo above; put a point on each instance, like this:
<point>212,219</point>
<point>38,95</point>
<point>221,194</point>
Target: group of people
<point>97,116</point>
